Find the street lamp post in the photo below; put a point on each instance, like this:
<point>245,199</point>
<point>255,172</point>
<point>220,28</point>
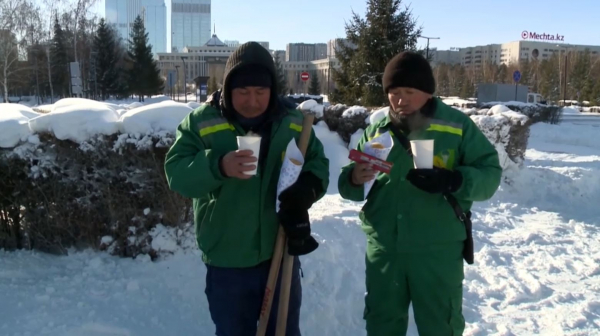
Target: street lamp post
<point>428,38</point>
<point>566,66</point>
<point>184,78</point>
<point>177,86</point>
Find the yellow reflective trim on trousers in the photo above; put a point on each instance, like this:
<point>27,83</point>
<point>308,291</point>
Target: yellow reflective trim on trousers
<point>445,129</point>
<point>216,128</point>
<point>296,127</point>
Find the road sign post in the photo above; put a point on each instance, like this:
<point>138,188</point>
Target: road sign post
<point>305,76</point>
<point>516,78</point>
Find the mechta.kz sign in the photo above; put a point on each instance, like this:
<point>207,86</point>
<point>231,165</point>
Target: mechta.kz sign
<point>546,37</point>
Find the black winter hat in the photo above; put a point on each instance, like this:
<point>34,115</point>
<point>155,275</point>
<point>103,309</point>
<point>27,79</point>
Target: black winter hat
<point>409,69</point>
<point>248,59</point>
<point>250,75</point>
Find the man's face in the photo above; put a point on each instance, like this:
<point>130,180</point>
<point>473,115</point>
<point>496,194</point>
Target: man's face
<point>251,101</point>
<point>407,100</point>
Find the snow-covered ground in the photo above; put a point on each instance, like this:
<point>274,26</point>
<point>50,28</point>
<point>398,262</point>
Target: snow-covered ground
<point>537,268</point>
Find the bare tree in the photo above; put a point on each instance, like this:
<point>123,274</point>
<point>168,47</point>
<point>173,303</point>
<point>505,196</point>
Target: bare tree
<point>12,31</point>
<point>52,7</point>
<point>80,10</point>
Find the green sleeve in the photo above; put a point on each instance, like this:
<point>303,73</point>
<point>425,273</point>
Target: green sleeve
<point>191,169</point>
<point>479,165</point>
<point>347,189</point>
<point>316,162</point>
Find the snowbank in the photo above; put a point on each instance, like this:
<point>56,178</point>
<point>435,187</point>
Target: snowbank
<point>154,118</point>
<point>14,124</point>
<point>312,106</point>
<point>69,102</point>
<point>77,122</point>
<point>335,150</point>
<point>354,110</point>
<point>570,111</point>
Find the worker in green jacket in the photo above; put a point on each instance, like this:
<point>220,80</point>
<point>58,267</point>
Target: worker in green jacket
<point>235,213</point>
<point>415,241</point>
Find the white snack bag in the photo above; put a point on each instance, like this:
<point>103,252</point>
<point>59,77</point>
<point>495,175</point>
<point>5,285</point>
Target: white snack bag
<point>379,147</point>
<point>290,169</point>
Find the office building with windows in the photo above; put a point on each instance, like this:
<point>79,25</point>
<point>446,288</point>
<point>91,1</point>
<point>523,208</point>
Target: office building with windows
<point>121,14</point>
<point>190,23</point>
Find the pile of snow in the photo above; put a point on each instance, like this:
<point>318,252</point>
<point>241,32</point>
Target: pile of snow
<point>77,122</point>
<point>297,96</point>
<point>504,111</point>
<point>82,102</point>
<point>354,110</point>
<point>335,150</point>
<point>312,106</point>
<point>194,105</point>
<point>154,118</point>
<point>14,124</point>
<point>458,102</point>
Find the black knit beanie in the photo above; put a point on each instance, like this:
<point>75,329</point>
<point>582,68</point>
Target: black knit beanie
<point>409,69</point>
<point>250,75</point>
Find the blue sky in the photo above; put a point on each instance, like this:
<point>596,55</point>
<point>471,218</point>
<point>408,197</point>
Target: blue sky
<point>459,23</point>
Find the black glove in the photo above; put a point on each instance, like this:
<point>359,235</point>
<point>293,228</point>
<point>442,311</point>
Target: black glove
<point>296,225</point>
<point>436,180</point>
<point>303,193</point>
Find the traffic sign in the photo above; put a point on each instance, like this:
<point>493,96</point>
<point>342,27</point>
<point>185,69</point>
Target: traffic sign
<point>517,75</point>
<point>304,76</point>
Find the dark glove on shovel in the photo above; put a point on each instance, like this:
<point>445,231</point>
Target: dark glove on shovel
<point>296,225</point>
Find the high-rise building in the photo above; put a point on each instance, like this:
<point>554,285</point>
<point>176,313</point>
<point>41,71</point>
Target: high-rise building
<point>190,23</point>
<point>334,44</point>
<point>304,52</point>
<point>121,14</point>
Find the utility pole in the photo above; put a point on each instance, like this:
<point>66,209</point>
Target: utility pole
<point>184,78</point>
<point>177,86</point>
<point>428,38</point>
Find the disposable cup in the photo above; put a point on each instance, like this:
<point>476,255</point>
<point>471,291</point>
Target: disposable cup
<point>422,153</point>
<point>252,143</point>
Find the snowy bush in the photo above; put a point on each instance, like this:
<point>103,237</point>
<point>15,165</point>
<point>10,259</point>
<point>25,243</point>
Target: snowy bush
<point>536,112</point>
<point>345,120</point>
<point>59,194</point>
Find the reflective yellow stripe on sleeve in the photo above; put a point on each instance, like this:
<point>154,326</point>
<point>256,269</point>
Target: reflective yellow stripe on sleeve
<point>445,129</point>
<point>296,127</point>
<point>213,126</point>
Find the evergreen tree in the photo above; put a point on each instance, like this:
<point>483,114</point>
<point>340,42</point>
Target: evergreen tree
<point>281,76</point>
<point>212,85</point>
<point>549,79</point>
<point>144,75</point>
<point>314,87</point>
<point>107,76</point>
<point>386,30</point>
<point>60,60</point>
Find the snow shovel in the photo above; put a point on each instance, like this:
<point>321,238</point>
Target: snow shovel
<point>288,261</point>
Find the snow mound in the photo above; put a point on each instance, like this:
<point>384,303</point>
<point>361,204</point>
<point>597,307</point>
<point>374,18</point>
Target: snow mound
<point>26,111</point>
<point>503,110</point>
<point>335,150</point>
<point>355,139</point>
<point>134,105</point>
<point>66,102</point>
<point>77,122</point>
<point>14,128</point>
<point>354,110</point>
<point>313,106</point>
<point>153,118</point>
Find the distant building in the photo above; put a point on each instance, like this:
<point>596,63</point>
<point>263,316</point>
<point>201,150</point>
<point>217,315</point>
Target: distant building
<point>444,56</point>
<point>514,52</point>
<point>190,23</point>
<point>280,54</point>
<point>233,44</point>
<point>305,52</point>
<point>121,14</point>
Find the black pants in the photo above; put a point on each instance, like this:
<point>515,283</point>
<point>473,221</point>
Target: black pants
<point>235,298</point>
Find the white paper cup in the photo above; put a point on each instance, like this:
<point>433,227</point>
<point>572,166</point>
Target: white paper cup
<point>422,153</point>
<point>252,143</point>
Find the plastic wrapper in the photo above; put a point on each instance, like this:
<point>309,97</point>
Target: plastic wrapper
<point>379,147</point>
<point>290,169</point>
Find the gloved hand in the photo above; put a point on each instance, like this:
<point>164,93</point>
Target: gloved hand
<point>303,193</point>
<point>436,180</point>
<point>296,224</point>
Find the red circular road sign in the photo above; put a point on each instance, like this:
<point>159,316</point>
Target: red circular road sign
<point>304,76</point>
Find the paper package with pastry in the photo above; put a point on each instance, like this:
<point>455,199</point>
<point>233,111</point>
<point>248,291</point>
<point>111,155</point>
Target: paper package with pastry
<point>290,169</point>
<point>379,147</point>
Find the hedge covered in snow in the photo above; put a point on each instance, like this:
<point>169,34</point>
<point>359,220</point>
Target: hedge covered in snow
<point>90,174</point>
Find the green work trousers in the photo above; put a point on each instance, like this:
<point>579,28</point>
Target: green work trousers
<point>431,279</point>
